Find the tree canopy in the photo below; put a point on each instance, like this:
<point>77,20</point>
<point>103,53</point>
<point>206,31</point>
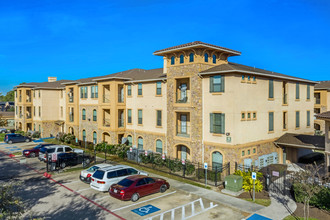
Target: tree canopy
<point>10,96</point>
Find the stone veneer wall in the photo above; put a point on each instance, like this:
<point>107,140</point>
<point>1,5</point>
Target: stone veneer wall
<point>194,143</point>
<point>149,139</point>
<point>49,128</point>
<point>89,125</point>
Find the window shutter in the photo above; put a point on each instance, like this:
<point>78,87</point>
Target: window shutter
<point>222,88</point>
<point>222,120</point>
<point>211,123</point>
<point>211,84</point>
<point>297,90</point>
<point>308,92</point>
<point>271,89</point>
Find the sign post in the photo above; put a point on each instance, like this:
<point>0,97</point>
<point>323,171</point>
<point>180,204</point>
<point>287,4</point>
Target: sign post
<point>254,177</point>
<point>163,156</point>
<point>205,167</point>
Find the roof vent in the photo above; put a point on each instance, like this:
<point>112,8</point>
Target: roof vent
<point>52,79</point>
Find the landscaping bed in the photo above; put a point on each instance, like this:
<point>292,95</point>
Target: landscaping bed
<point>314,213</point>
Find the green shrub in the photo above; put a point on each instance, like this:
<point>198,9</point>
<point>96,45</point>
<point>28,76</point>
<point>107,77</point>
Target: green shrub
<point>69,139</point>
<point>320,200</point>
<point>210,174</point>
<point>248,182</point>
<point>36,134</point>
<point>20,132</point>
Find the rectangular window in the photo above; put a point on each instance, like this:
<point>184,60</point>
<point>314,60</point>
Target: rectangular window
<point>217,83</point>
<point>140,89</point>
<point>217,123</point>
<point>297,119</point>
<point>81,92</point>
<point>308,92</point>
<point>129,116</point>
<point>254,150</point>
<point>85,92</point>
<point>297,91</point>
<point>158,88</point>
<point>92,91</point>
<point>34,110</point>
<point>96,91</point>
<point>140,117</point>
<point>243,116</point>
<point>243,153</point>
<point>308,118</point>
<point>271,121</point>
<point>39,111</point>
<point>271,89</point>
<point>254,115</point>
<point>249,116</point>
<point>249,152</point>
<point>129,90</point>
<point>159,118</point>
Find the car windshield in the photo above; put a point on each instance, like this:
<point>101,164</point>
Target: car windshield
<point>43,150</point>
<point>125,182</point>
<point>93,169</point>
<point>99,174</point>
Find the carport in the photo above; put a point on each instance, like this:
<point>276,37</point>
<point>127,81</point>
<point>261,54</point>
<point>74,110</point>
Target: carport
<point>298,145</point>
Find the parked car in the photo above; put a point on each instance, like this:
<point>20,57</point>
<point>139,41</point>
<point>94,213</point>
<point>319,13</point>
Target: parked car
<point>72,159</point>
<point>34,152</point>
<point>56,149</point>
<point>102,179</point>
<point>86,175</point>
<point>134,187</point>
<point>14,138</point>
<point>3,130</point>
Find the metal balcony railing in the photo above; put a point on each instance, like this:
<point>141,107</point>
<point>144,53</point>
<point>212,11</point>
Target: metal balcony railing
<point>183,97</point>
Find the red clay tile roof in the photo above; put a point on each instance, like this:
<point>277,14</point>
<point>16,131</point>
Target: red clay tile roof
<point>324,115</point>
<point>196,44</point>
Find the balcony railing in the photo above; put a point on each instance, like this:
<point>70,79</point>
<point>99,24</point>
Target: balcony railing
<point>106,98</point>
<point>183,130</point>
<point>285,99</point>
<point>183,97</point>
<point>28,99</point>
<point>28,116</point>
<point>71,98</point>
<point>106,122</point>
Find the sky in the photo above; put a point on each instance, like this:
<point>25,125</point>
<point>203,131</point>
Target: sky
<point>79,38</point>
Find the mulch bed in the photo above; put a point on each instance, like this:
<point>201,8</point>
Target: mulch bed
<point>259,195</point>
<point>313,212</point>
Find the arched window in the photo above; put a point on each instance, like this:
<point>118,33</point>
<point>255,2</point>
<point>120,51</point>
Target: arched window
<point>217,161</point>
<point>94,115</point>
<point>191,57</point>
<point>172,60</point>
<point>214,58</point>
<point>94,137</point>
<point>206,57</point>
<point>83,114</point>
<point>140,143</point>
<point>159,146</point>
<point>183,152</point>
<point>129,139</point>
<point>181,58</point>
<point>84,135</point>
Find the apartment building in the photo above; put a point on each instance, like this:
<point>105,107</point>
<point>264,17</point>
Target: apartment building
<point>325,116</point>
<point>322,104</point>
<point>41,107</point>
<point>198,107</point>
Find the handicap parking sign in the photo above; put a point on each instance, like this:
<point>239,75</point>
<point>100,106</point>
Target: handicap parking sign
<point>145,210</point>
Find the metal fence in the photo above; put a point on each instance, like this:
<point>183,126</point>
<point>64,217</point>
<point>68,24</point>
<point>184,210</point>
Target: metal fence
<point>213,176</point>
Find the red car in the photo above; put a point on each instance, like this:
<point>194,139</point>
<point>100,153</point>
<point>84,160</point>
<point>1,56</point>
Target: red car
<point>134,187</point>
<point>34,152</point>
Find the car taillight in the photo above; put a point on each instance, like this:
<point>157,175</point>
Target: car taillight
<point>45,156</point>
<point>101,182</point>
<point>122,192</point>
<point>92,179</point>
<point>89,175</point>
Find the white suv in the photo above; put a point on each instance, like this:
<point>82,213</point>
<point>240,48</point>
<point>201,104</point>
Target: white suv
<point>103,178</point>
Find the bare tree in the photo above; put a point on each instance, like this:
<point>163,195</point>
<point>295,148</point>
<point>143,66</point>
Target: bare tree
<point>308,182</point>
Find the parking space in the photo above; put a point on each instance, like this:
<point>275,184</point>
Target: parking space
<point>65,196</point>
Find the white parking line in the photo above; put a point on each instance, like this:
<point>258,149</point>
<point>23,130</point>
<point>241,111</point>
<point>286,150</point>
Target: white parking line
<point>108,196</point>
<point>84,189</point>
<point>143,201</point>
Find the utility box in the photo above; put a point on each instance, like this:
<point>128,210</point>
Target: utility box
<point>233,183</point>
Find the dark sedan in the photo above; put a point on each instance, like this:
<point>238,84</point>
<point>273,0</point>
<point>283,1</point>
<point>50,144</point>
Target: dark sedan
<point>12,138</point>
<point>134,187</point>
<point>34,152</point>
<point>72,159</point>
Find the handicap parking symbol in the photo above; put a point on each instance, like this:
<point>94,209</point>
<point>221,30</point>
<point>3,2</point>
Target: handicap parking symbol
<point>145,210</point>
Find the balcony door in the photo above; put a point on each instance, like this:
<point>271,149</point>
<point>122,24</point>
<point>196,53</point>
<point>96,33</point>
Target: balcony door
<point>183,127</point>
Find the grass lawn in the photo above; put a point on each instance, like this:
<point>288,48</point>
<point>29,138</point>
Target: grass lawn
<point>264,202</point>
<point>290,217</point>
<point>2,137</point>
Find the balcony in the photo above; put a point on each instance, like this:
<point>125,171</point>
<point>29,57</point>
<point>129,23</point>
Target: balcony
<point>106,98</point>
<point>106,122</point>
<point>120,94</point>
<point>71,118</point>
<point>182,91</point>
<point>317,101</point>
<point>71,98</point>
<point>106,94</point>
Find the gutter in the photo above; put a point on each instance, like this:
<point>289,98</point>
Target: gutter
<point>258,74</point>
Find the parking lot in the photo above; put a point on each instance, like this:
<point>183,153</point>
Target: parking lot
<point>64,196</point>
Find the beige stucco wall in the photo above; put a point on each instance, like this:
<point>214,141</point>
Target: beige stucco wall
<point>149,102</point>
<point>50,104</point>
<point>251,97</point>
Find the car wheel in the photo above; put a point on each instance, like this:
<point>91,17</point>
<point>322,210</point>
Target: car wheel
<point>163,188</point>
<point>87,161</point>
<point>10,142</point>
<point>27,140</point>
<point>33,155</point>
<point>63,165</point>
<point>135,197</point>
